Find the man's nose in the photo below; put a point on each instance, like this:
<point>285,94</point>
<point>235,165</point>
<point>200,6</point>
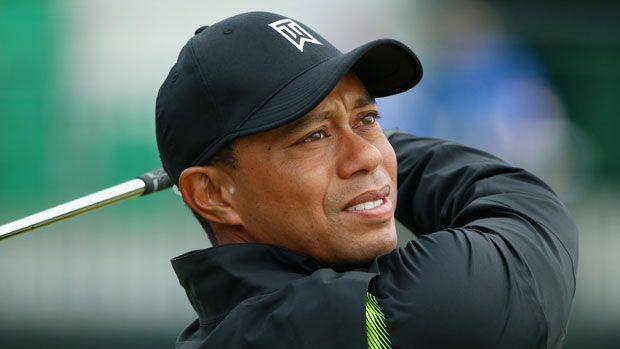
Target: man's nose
<point>356,155</point>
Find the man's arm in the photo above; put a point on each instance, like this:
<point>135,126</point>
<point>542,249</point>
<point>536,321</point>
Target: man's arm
<point>497,249</point>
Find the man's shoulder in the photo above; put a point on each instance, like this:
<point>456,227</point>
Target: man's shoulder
<point>277,298</point>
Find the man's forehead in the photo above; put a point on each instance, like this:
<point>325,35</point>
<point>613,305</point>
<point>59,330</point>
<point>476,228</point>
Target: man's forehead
<point>364,101</point>
<point>348,88</point>
<point>324,112</point>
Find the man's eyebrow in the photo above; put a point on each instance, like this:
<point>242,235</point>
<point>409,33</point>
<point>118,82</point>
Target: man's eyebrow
<point>308,119</point>
<point>364,101</point>
<point>313,118</point>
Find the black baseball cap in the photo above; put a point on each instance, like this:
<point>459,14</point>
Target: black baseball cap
<point>256,71</point>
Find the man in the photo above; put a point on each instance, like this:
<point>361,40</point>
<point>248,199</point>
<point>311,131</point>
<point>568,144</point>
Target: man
<point>271,135</point>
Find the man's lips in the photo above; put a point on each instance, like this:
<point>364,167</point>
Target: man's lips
<point>368,200</point>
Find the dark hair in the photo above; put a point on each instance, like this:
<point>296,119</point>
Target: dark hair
<point>225,156</point>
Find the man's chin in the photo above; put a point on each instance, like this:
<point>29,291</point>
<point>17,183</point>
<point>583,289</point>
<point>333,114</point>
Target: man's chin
<point>363,251</point>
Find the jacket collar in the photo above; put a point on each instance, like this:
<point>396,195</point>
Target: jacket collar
<point>218,278</point>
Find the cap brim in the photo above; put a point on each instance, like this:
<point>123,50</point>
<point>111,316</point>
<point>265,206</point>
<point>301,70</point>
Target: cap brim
<point>384,66</point>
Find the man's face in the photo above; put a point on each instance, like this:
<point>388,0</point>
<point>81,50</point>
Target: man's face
<point>324,185</point>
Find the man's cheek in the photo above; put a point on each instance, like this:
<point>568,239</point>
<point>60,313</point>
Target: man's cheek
<point>390,162</point>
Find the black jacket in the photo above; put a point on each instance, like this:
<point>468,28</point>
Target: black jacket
<point>493,267</point>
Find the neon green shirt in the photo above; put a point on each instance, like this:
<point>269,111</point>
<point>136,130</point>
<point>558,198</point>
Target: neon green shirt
<point>378,337</point>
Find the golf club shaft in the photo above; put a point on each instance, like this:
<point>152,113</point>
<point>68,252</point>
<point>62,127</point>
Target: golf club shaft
<point>147,183</point>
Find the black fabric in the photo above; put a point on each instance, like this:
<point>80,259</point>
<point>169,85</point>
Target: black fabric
<point>262,296</point>
<point>493,267</point>
<point>241,76</point>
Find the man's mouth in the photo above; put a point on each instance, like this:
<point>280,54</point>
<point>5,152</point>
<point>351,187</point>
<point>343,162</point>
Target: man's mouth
<point>366,205</point>
<point>369,200</point>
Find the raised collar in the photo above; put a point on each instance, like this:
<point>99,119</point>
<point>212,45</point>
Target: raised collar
<point>218,278</point>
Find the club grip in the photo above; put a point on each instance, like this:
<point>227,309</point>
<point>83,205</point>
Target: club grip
<point>155,180</point>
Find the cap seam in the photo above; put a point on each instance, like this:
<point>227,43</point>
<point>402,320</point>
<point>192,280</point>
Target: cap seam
<point>205,86</point>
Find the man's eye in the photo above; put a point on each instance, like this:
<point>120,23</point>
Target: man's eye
<point>369,119</point>
<point>314,136</point>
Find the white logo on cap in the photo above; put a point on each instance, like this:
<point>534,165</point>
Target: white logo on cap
<point>294,33</point>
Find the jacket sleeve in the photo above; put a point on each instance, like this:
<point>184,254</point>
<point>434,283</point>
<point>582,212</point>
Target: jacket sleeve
<point>496,253</point>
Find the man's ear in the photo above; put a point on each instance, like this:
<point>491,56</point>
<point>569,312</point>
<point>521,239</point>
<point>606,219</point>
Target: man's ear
<point>205,190</point>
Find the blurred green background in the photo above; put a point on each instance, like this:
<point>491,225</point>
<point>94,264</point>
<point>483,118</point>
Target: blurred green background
<point>535,82</point>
